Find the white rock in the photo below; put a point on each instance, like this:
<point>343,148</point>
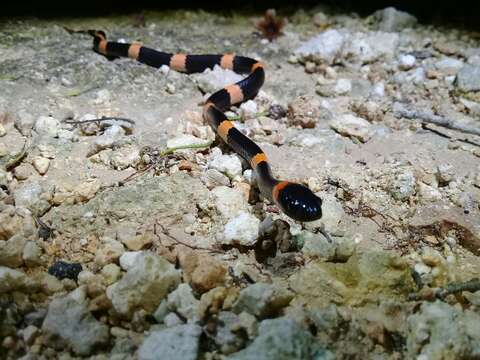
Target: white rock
<point>103,96</point>
<point>248,176</point>
<point>369,47</point>
<point>445,173</point>
<point>229,202</point>
<point>111,273</point>
<point>129,259</point>
<point>28,194</point>
<point>144,285</point>
<point>178,342</point>
<point>421,268</point>
<point>31,254</point>
<point>406,62</point>
<point>343,86</point>
<point>392,20</point>
<point>11,279</point>
<point>402,184</point>
<point>86,277</point>
<point>230,165</point>
<point>68,322</point>
<point>213,178</point>
<point>86,190</point>
<point>164,69</point>
<point>3,132</point>
<point>125,157</point>
<point>183,302</point>
<point>47,125</point>
<point>11,251</point>
<point>468,78</point>
<point>306,140</point>
<point>30,333</point>
<point>325,47</point>
<point>248,109</point>
<point>109,251</point>
<point>333,218</point>
<point>172,319</point>
<point>41,164</point>
<point>417,76</point>
<point>242,230</point>
<point>111,136</point>
<point>379,89</point>
<point>212,80</point>
<point>47,151</point>
<point>350,125</point>
<point>428,193</point>
<point>449,65</point>
<point>262,300</point>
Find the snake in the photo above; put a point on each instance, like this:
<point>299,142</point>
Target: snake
<point>295,200</point>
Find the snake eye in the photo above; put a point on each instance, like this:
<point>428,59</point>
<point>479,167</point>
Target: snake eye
<point>299,202</point>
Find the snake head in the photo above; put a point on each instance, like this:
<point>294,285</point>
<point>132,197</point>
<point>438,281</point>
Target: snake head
<point>297,201</point>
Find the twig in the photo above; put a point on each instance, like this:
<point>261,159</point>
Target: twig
<point>185,147</point>
<point>239,117</point>
<point>400,110</point>
<point>439,133</point>
<point>176,241</point>
<point>103,118</point>
<point>472,286</point>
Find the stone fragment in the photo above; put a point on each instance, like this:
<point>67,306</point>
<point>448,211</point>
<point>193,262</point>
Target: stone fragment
<point>353,126</point>
<point>11,279</point>
<point>468,78</point>
<point>178,342</point>
<point>69,323</point>
<point>229,202</point>
<point>144,285</point>
<point>326,47</point>
<point>11,251</point>
<point>47,125</point>
<point>392,20</point>
<point>229,165</point>
<point>32,254</point>
<point>262,300</point>
<point>282,338</point>
<point>202,271</point>
<point>182,301</point>
<point>242,230</point>
<point>109,251</point>
<point>440,331</point>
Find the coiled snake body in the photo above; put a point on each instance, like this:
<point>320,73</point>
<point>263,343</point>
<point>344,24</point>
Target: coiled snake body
<point>295,200</point>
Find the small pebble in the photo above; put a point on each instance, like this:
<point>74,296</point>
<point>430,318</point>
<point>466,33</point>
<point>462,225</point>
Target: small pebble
<point>41,164</point>
<point>407,62</point>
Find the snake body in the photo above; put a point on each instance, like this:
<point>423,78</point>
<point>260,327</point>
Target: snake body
<point>295,200</point>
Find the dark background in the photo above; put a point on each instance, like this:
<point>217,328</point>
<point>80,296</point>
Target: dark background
<point>460,13</point>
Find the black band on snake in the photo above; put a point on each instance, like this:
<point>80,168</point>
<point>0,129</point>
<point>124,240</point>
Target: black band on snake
<point>295,200</point>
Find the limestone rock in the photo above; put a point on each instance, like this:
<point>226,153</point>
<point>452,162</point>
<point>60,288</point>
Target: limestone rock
<point>144,285</point>
<point>262,300</point>
<point>178,342</point>
<point>282,338</point>
<point>68,322</point>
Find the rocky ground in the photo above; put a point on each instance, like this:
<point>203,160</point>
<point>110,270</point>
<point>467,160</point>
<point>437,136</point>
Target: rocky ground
<point>115,242</point>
